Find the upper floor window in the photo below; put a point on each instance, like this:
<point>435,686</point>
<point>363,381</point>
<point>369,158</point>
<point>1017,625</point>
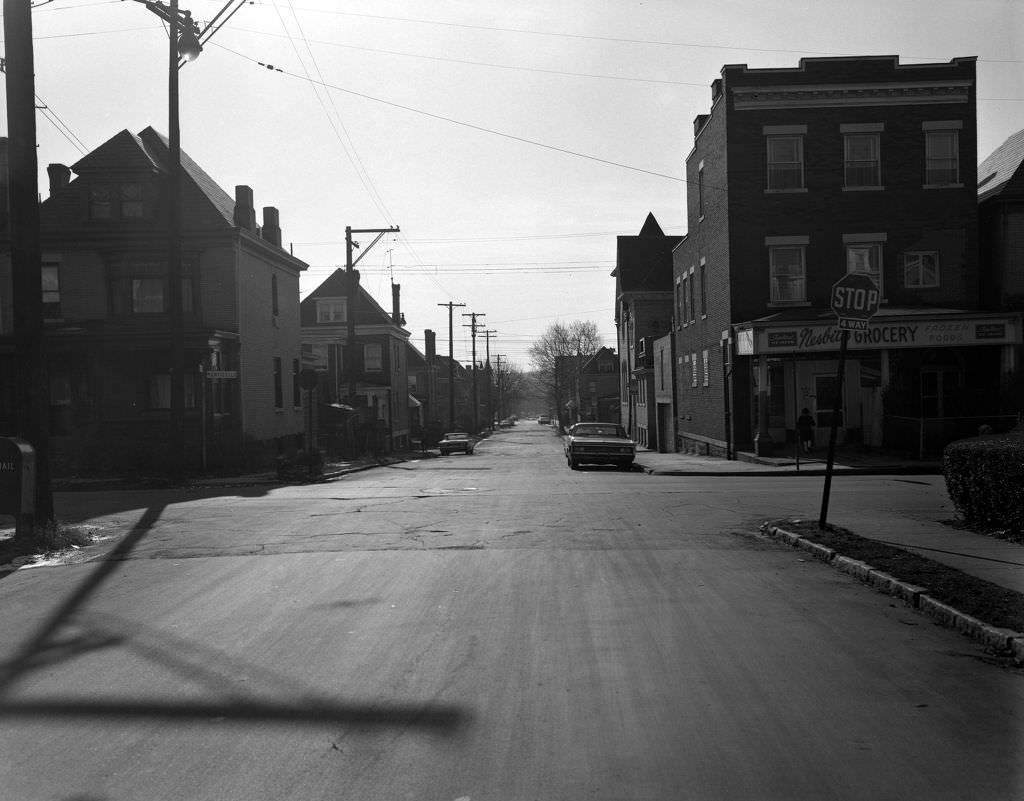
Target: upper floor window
<point>942,153</point>
<point>787,274</point>
<point>864,255</point>
<point>115,201</point>
<point>332,311</point>
<point>703,288</point>
<point>785,162</point>
<point>147,295</point>
<point>51,287</point>
<point>921,270</point>
<point>373,357</point>
<point>700,190</point>
<point>278,386</point>
<point>862,160</point>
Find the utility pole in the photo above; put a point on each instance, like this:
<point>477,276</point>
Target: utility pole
<point>476,401</point>
<point>351,299</point>
<point>498,382</point>
<point>451,364</point>
<point>32,394</point>
<point>487,369</point>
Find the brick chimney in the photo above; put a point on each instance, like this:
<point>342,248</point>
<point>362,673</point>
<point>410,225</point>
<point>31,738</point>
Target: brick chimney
<point>245,214</point>
<point>60,177</point>
<point>430,344</point>
<point>271,226</point>
<point>396,305</point>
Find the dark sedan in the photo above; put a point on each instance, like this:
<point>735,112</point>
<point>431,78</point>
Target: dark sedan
<point>599,443</point>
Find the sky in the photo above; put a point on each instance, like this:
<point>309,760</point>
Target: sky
<point>510,142</point>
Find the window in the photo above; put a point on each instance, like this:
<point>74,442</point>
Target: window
<point>686,302</point>
<point>862,162</point>
<point>159,391</point>
<point>148,295</point>
<point>296,389</point>
<point>689,299</point>
<point>921,270</point>
<point>679,304</point>
<point>372,357</point>
<point>785,162</point>
<point>703,288</point>
<point>112,201</point>
<point>787,274</point>
<point>332,311</point>
<point>273,295</point>
<point>865,256</point>
<point>278,388</point>
<point>942,158</point>
<point>707,368</point>
<point>700,190</point>
<point>51,287</point>
<point>693,364</point>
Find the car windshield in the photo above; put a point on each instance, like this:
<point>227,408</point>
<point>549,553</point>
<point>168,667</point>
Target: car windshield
<point>456,435</point>
<point>608,430</point>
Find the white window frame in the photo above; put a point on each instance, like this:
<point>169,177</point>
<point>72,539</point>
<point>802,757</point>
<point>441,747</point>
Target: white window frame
<point>872,245</point>
<point>332,310</point>
<point>693,364</point>
<point>707,368</point>
<point>780,174</point>
<point>852,167</point>
<point>913,266</point>
<point>775,280</point>
<point>935,131</point>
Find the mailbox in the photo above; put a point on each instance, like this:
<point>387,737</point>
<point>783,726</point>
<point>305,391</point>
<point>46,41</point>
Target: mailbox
<point>17,477</point>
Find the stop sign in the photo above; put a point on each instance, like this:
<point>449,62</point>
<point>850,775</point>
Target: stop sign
<point>855,299</point>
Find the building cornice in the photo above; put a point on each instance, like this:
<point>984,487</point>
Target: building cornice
<point>915,93</point>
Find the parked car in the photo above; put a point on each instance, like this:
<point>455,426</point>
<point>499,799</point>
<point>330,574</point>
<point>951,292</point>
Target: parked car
<point>599,443</point>
<point>544,420</point>
<point>456,442</point>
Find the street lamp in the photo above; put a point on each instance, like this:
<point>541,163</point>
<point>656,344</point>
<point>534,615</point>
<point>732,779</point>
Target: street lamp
<point>184,42</point>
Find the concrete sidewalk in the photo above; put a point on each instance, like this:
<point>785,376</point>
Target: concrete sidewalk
<point>996,560</point>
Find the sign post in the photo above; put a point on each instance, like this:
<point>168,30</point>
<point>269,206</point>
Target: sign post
<point>854,300</point>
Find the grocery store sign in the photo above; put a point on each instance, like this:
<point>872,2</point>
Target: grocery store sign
<point>889,335</point>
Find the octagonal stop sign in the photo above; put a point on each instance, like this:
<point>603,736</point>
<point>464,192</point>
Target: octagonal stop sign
<point>855,299</point>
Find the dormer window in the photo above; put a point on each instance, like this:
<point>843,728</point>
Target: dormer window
<point>113,201</point>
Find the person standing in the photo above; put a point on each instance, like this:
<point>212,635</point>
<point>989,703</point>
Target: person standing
<point>805,430</point>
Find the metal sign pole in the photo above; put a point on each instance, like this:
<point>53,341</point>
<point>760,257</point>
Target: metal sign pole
<point>837,408</point>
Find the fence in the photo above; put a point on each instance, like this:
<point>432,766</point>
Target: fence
<point>926,437</point>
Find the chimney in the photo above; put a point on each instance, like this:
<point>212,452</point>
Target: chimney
<point>716,90</point>
<point>271,226</point>
<point>699,122</point>
<point>245,214</point>
<point>396,306</point>
<point>430,344</point>
<point>60,177</point>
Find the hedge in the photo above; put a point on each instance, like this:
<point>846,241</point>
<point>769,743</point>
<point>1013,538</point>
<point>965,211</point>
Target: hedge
<point>985,481</point>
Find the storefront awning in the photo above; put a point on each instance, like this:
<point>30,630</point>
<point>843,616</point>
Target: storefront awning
<point>413,403</point>
<point>796,331</point>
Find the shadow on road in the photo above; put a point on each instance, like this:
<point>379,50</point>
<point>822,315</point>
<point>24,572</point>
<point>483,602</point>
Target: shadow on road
<point>62,638</point>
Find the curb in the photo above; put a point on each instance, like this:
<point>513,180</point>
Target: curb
<point>1004,641</point>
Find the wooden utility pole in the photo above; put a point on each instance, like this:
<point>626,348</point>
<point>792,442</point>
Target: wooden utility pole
<point>476,396</point>
<point>487,370</point>
<point>32,393</point>
<point>451,364</point>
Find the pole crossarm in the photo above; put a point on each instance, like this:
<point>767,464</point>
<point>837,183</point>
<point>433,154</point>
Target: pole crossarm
<point>380,235</point>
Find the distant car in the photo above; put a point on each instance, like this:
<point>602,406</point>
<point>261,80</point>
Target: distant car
<point>599,443</point>
<point>544,420</point>
<point>456,442</point>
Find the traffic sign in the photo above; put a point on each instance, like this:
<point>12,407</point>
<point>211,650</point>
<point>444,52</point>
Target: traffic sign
<point>855,298</point>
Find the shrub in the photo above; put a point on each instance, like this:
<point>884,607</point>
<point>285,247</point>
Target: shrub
<point>985,480</point>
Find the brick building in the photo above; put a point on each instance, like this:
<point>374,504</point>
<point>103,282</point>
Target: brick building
<point>107,326</point>
<point>643,312</point>
<point>798,176</point>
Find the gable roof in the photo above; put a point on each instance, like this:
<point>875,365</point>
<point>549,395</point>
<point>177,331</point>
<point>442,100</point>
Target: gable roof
<point>1001,172</point>
<point>149,151</point>
<point>368,311</point>
<point>643,263</point>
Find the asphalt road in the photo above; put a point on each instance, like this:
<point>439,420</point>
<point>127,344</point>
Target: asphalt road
<point>492,627</point>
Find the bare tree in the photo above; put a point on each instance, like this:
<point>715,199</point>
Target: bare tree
<point>558,357</point>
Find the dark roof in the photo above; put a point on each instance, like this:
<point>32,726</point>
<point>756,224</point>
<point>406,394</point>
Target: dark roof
<point>336,286</point>
<point>148,150</point>
<point>643,263</point>
<point>1000,173</point>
